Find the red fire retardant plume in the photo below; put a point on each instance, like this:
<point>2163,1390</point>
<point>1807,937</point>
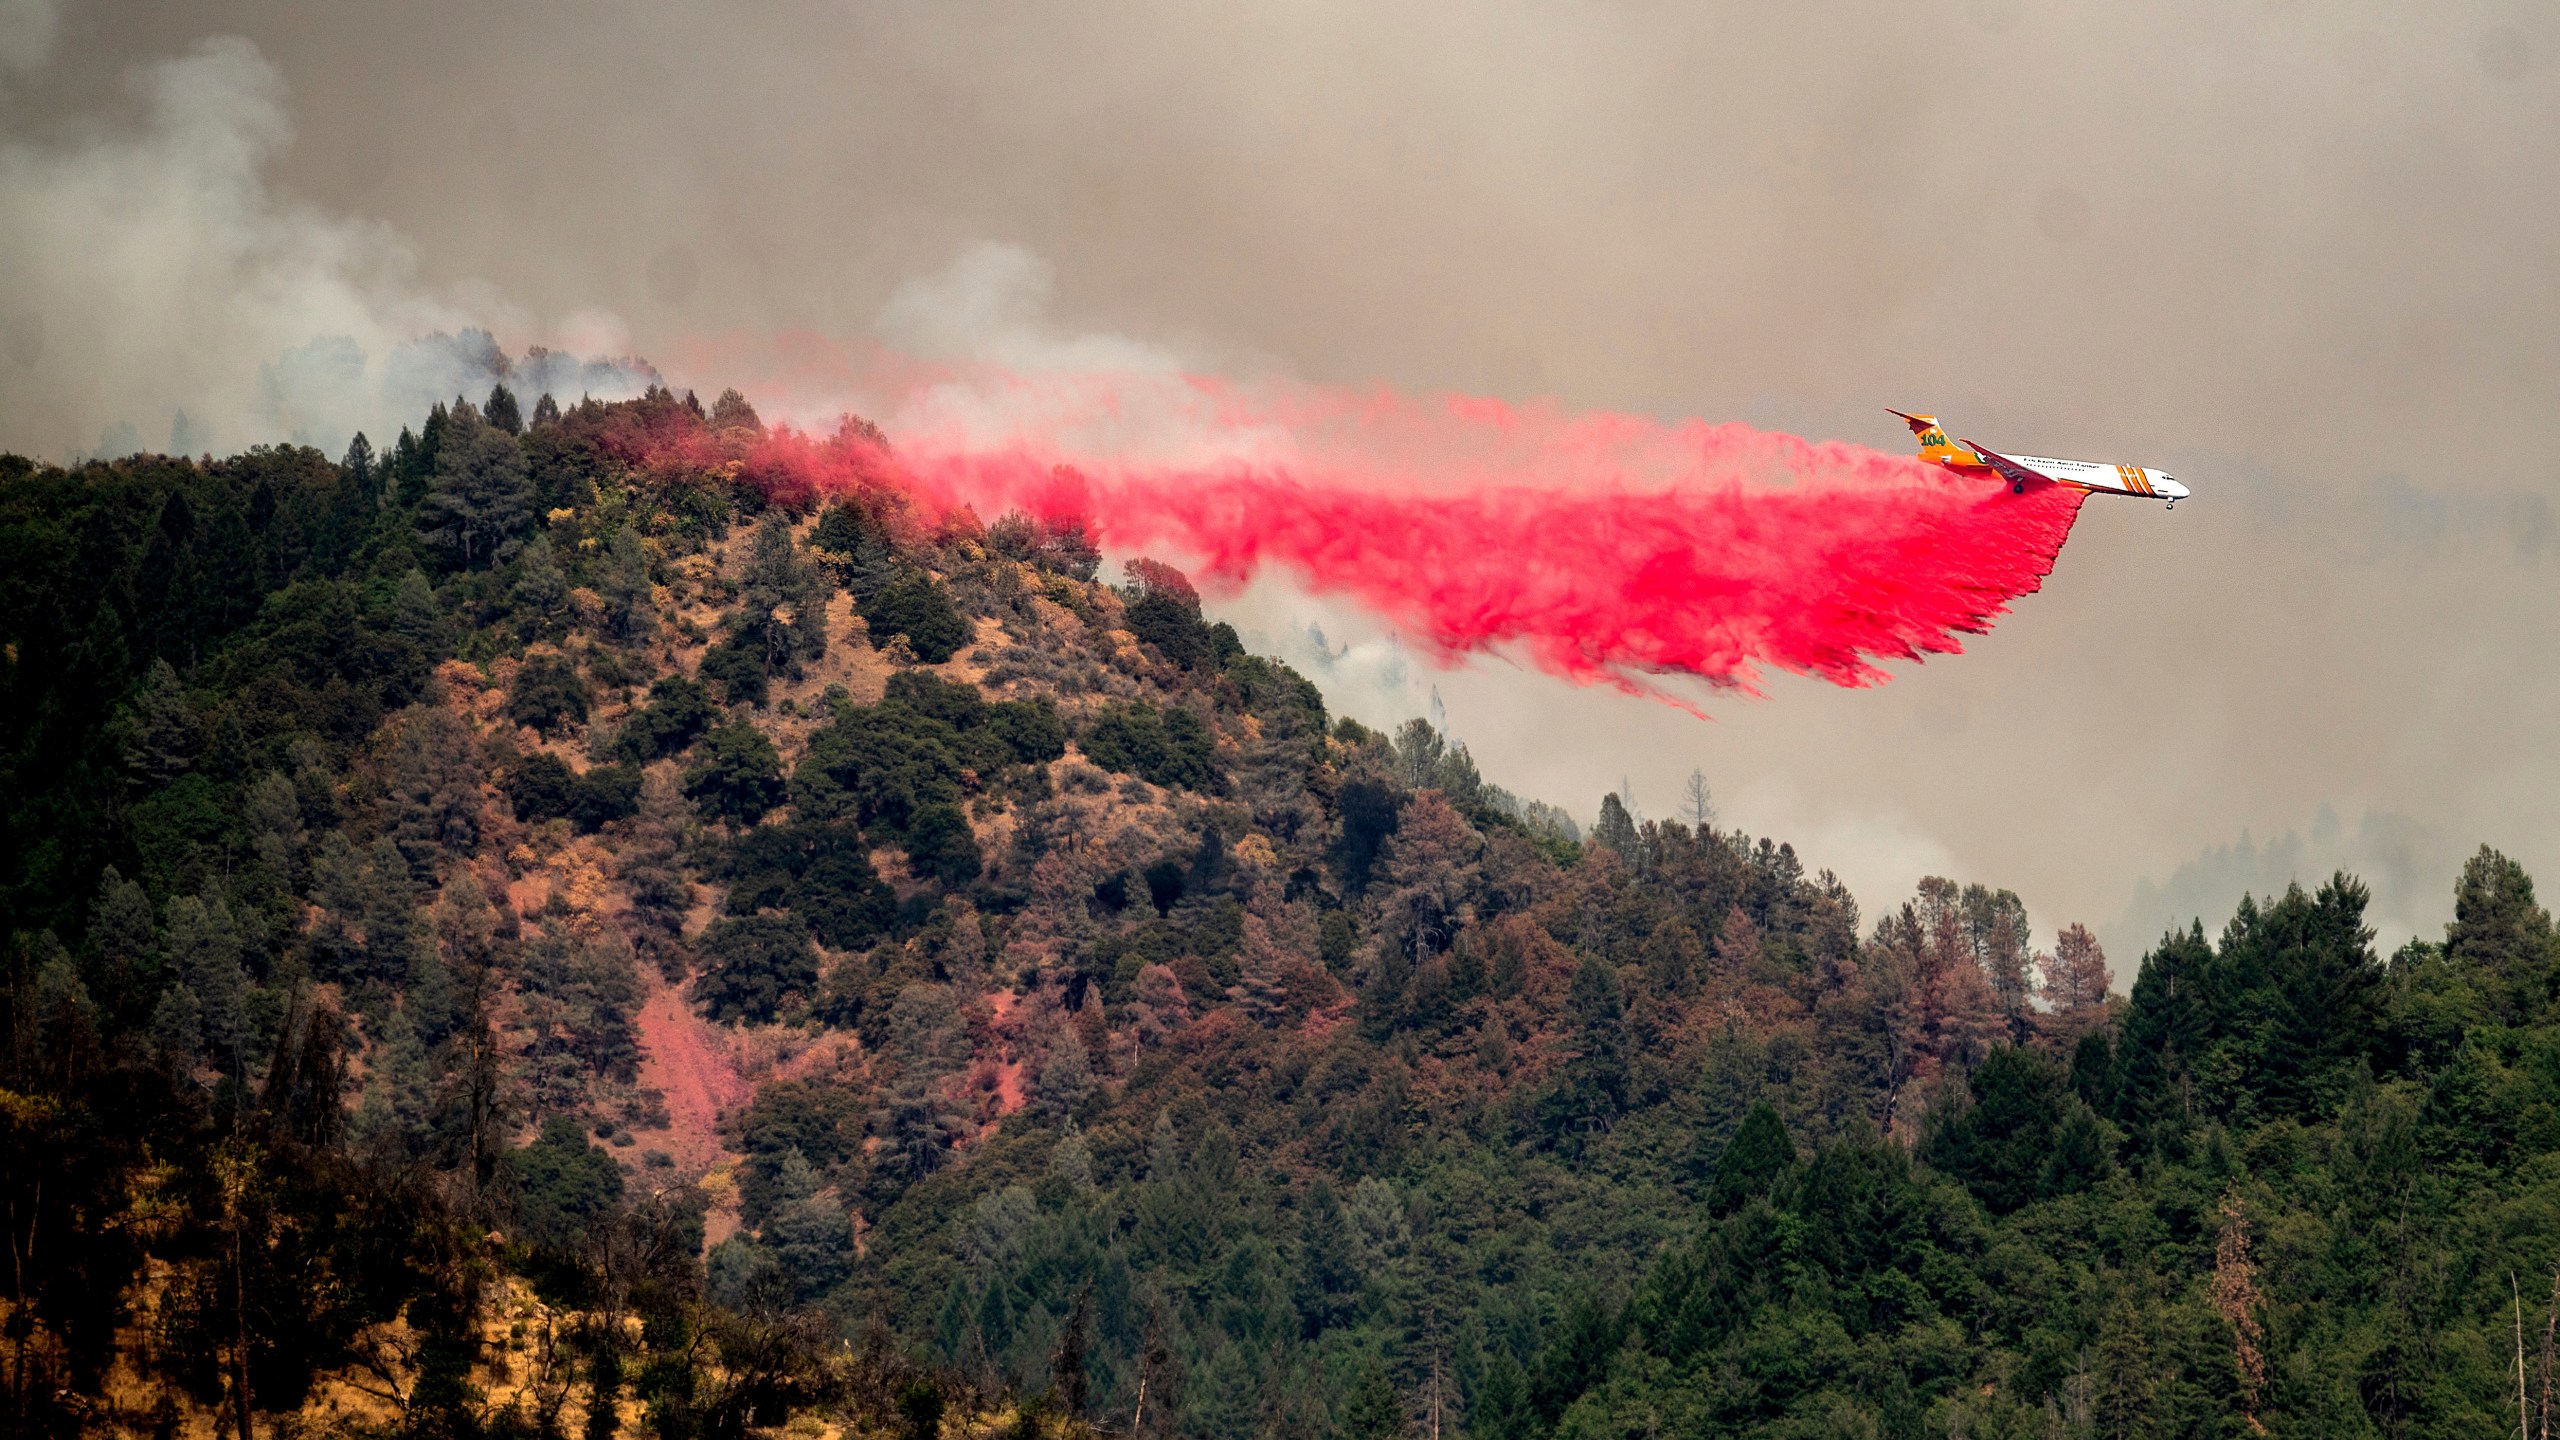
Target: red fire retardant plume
<point>1600,548</point>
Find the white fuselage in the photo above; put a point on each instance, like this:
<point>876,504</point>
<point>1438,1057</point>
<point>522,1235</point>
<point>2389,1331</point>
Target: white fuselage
<point>2114,479</point>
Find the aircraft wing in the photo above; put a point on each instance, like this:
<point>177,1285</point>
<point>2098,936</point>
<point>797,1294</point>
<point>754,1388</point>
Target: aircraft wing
<point>2015,472</point>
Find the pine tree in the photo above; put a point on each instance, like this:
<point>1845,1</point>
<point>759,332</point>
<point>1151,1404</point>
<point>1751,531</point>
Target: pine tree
<point>1616,829</point>
<point>1500,1409</point>
<point>1071,1160</point>
<point>1067,1379</point>
<point>415,613</point>
<point>546,411</point>
<point>1063,1075</point>
<point>2502,936</point>
<point>651,875</point>
<point>1996,924</point>
<point>410,468</point>
<point>386,900</point>
<point>2075,974</point>
<point>1329,1278</point>
<point>1591,1093</point>
<point>782,604</point>
<point>1752,1160</point>
<point>1162,1009</point>
<point>1372,1411</point>
<point>810,1236</point>
<point>732,412</point>
<point>630,615</point>
<point>122,927</point>
<point>204,950</point>
<point>337,888</point>
<point>1960,1012</point>
<point>1263,989</point>
<point>2236,1300</point>
<point>500,412</point>
<point>357,465</point>
<point>161,736</point>
<point>430,769</point>
<point>540,595</point>
<point>398,1099</point>
<point>2126,1383</point>
<point>481,499</point>
<point>1225,1394</point>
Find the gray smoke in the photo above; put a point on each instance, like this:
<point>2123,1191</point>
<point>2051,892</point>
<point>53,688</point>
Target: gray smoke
<point>158,285</point>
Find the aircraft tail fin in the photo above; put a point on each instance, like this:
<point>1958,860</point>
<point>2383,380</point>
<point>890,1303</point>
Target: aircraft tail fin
<point>1934,444</point>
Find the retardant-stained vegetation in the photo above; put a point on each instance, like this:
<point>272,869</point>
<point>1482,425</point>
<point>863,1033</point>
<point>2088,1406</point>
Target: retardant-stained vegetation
<point>404,857</point>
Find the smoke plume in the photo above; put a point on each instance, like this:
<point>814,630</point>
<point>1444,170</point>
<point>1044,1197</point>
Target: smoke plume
<point>154,283</point>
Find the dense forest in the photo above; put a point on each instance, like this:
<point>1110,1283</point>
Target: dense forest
<point>541,929</point>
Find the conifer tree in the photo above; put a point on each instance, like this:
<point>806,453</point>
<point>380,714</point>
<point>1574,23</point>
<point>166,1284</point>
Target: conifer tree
<point>410,469</point>
<point>1996,925</point>
<point>2075,974</point>
<point>1063,1075</point>
<point>1752,1160</point>
<point>1262,988</point>
<point>737,775</point>
<point>431,781</point>
<point>481,498</point>
<point>357,465</point>
<point>1162,1008</point>
<point>1591,1092</point>
<point>732,412</point>
<point>1372,1411</point>
<point>1071,1160</point>
<point>397,1099</point>
<point>782,605</point>
<point>541,592</point>
<point>630,615</point>
<point>204,950</point>
<point>415,613</point>
<point>810,1236</point>
<point>500,411</point>
<point>177,1026</point>
<point>2500,934</point>
<point>161,736</point>
<point>1616,829</point>
<point>122,927</point>
<point>432,434</point>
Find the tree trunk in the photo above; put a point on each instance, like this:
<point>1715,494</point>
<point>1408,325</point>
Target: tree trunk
<point>240,1331</point>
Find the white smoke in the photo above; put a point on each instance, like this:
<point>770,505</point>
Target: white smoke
<point>152,282</point>
<point>2409,866</point>
<point>1017,372</point>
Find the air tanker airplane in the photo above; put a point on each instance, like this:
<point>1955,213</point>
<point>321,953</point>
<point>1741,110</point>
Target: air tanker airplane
<point>2022,471</point>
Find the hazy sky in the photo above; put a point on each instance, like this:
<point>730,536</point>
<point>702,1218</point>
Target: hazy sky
<point>2305,256</point>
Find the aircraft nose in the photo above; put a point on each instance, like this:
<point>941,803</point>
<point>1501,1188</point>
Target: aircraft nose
<point>2171,488</point>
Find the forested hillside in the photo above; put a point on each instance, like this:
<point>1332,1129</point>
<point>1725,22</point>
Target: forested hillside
<point>543,929</point>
